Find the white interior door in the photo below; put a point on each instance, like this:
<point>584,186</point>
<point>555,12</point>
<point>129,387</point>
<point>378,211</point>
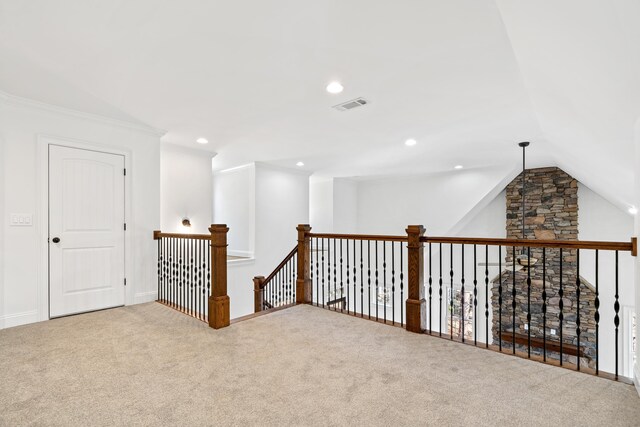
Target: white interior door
<point>86,230</point>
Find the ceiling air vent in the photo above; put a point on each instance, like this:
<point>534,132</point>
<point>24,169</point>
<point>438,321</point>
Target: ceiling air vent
<point>350,105</point>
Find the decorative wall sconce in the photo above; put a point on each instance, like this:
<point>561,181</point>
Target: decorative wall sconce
<point>186,222</point>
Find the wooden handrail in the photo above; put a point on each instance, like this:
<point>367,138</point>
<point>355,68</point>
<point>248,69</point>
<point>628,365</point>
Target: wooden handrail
<point>568,244</point>
<point>159,235</point>
<point>282,264</point>
<point>378,237</point>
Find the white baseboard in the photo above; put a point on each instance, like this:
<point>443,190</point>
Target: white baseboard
<point>17,319</point>
<point>143,297</point>
<point>636,376</point>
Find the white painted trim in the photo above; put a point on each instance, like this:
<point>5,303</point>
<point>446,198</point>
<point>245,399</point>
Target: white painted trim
<point>42,213</point>
<point>143,297</point>
<point>32,103</point>
<point>240,262</point>
<point>636,377</point>
<point>233,169</point>
<point>17,319</point>
<point>243,254</point>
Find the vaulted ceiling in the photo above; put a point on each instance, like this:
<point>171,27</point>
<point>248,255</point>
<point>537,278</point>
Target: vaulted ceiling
<point>466,79</point>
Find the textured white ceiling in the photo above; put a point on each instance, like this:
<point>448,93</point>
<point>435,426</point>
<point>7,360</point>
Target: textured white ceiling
<point>467,79</point>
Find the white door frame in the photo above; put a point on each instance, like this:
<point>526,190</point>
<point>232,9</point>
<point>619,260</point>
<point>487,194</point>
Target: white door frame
<point>42,213</point>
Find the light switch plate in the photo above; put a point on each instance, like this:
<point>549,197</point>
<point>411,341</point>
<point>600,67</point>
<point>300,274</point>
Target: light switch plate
<point>20,220</point>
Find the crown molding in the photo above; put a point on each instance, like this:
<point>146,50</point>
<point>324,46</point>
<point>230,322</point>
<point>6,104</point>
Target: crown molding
<point>57,109</point>
<point>180,148</point>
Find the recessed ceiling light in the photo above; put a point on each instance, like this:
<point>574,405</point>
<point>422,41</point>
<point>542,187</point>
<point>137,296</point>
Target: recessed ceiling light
<point>410,142</point>
<point>334,87</point>
<point>300,164</point>
<point>633,210</point>
<point>202,141</point>
<point>458,167</point>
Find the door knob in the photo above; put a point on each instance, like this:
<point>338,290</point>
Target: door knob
<point>56,240</point>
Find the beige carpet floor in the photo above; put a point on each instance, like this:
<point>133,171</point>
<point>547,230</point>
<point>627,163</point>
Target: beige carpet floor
<point>150,365</point>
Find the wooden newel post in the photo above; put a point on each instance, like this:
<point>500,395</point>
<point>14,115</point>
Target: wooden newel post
<point>156,234</point>
<point>303,283</point>
<point>258,294</point>
<point>416,304</point>
<point>219,315</point>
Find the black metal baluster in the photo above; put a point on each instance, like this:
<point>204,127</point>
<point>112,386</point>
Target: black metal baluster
<point>578,331</point>
<point>616,318</point>
<point>182,275</point>
<point>355,279</point>
<point>486,296</point>
<point>377,284</point>
<point>335,277</point>
<point>361,283</point>
<point>323,247</point>
<point>209,275</point>
<point>544,304</point>
<point>348,271</point>
<point>528,302</point>
<point>173,263</point>
<point>513,301</point>
<point>451,288</point>
<point>500,298</point>
<point>341,279</point>
<point>312,268</point>
<point>462,295</point>
<point>597,318</point>
<point>384,278</point>
<point>440,292</point>
<point>369,274</point>
<point>159,275</point>
<point>561,305</point>
<point>475,295</point>
<point>193,279</point>
<point>393,284</point>
<point>430,290</point>
<point>401,286</point>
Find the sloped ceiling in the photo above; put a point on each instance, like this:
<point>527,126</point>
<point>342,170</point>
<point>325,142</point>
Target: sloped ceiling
<point>467,79</point>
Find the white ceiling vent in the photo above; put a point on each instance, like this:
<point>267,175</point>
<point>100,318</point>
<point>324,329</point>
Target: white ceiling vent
<point>350,105</point>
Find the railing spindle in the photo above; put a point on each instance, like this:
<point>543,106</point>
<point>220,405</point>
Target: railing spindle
<point>361,284</point>
<point>597,317</point>
<point>486,296</point>
<point>462,295</point>
<point>369,274</point>
<point>529,302</point>
<point>430,291</point>
<point>578,331</point>
<point>561,306</point>
<point>513,301</point>
<point>475,295</point>
<point>451,289</point>
<point>544,304</point>
<point>393,284</point>
<point>616,318</point>
<point>377,284</point>
<point>440,292</point>
<point>401,287</point>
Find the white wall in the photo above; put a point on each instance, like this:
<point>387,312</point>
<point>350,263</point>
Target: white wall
<point>25,275</point>
<point>186,189</point>
<point>234,205</point>
<point>1,226</point>
<point>600,220</point>
<point>345,205</point>
<point>280,200</point>
<point>321,205</point>
<point>439,202</point>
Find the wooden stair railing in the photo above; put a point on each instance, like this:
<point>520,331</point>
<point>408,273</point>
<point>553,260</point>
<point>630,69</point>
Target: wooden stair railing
<point>278,288</point>
<point>192,274</point>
